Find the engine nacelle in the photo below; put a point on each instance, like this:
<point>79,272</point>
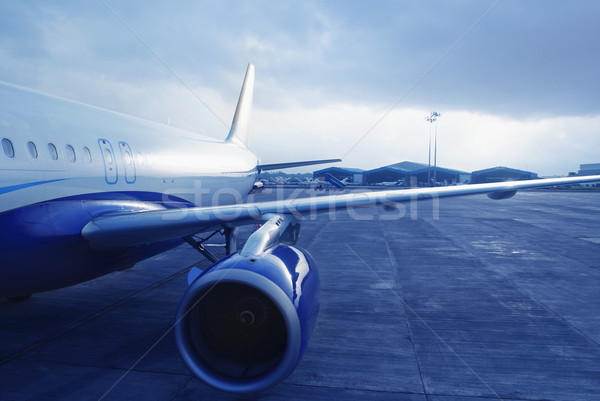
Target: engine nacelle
<point>244,324</point>
<point>498,195</point>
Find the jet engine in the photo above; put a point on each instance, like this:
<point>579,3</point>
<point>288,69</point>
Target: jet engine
<point>244,323</point>
<point>498,195</point>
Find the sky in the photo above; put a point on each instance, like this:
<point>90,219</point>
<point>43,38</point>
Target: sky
<point>516,82</point>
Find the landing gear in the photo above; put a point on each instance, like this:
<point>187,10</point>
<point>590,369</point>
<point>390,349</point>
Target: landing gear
<point>230,234</point>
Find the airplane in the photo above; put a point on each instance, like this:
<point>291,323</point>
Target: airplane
<point>85,191</point>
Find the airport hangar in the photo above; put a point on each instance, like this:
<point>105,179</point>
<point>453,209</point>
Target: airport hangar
<point>498,174</point>
<point>403,172</point>
<point>398,172</point>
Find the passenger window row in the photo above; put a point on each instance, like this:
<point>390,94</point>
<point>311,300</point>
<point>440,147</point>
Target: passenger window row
<point>70,154</point>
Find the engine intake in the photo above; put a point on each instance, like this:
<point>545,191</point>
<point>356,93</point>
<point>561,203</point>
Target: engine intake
<point>243,325</point>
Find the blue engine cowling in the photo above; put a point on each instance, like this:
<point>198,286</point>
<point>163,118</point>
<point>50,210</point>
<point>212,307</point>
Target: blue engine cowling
<point>244,324</point>
<point>499,195</point>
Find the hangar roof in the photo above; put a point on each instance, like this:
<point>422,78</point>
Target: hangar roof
<point>340,169</point>
<point>503,169</point>
<point>407,167</point>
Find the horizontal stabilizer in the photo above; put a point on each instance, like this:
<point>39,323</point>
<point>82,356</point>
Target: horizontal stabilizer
<point>280,166</point>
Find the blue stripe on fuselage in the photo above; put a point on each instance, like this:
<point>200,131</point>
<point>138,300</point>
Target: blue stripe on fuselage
<point>12,188</point>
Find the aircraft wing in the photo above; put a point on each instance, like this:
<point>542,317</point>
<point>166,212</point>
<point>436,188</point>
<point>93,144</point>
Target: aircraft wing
<point>117,231</point>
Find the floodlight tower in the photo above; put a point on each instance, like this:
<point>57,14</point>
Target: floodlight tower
<point>432,118</point>
<point>428,118</point>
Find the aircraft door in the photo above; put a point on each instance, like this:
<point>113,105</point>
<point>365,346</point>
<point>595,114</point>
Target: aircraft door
<point>128,162</point>
<point>110,162</point>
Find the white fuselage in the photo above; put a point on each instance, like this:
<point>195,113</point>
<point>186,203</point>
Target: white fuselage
<point>99,151</point>
<point>63,163</point>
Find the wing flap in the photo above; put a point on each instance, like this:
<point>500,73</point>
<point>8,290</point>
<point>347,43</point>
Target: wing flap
<point>118,231</point>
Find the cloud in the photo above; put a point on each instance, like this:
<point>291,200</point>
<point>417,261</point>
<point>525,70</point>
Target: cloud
<point>466,140</point>
<point>519,89</point>
<point>521,59</point>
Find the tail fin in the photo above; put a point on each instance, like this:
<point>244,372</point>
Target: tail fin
<point>241,118</point>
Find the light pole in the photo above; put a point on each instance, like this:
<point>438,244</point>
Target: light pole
<point>429,155</point>
<point>432,118</point>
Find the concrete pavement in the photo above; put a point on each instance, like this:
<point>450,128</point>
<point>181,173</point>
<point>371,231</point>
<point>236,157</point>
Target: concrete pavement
<point>474,300</point>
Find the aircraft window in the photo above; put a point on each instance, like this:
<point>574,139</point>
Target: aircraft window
<point>127,157</point>
<point>108,156</point>
<point>32,149</point>
<point>52,151</point>
<point>87,155</point>
<point>7,147</point>
<point>70,153</point>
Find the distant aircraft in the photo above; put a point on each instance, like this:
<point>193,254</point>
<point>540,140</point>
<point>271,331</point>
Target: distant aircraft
<point>391,183</point>
<point>85,191</point>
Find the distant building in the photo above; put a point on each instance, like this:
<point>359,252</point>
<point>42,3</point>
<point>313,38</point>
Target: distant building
<point>589,169</point>
<point>406,170</point>
<point>387,174</point>
<point>407,173</point>
<point>354,175</point>
<point>499,174</point>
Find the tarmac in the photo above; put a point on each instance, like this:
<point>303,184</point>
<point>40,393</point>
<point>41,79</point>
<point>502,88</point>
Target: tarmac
<point>469,299</point>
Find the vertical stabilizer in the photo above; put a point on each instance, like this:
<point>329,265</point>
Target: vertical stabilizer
<point>241,119</point>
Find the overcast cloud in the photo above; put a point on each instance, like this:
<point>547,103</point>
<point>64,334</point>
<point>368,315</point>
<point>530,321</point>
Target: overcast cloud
<point>520,89</point>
